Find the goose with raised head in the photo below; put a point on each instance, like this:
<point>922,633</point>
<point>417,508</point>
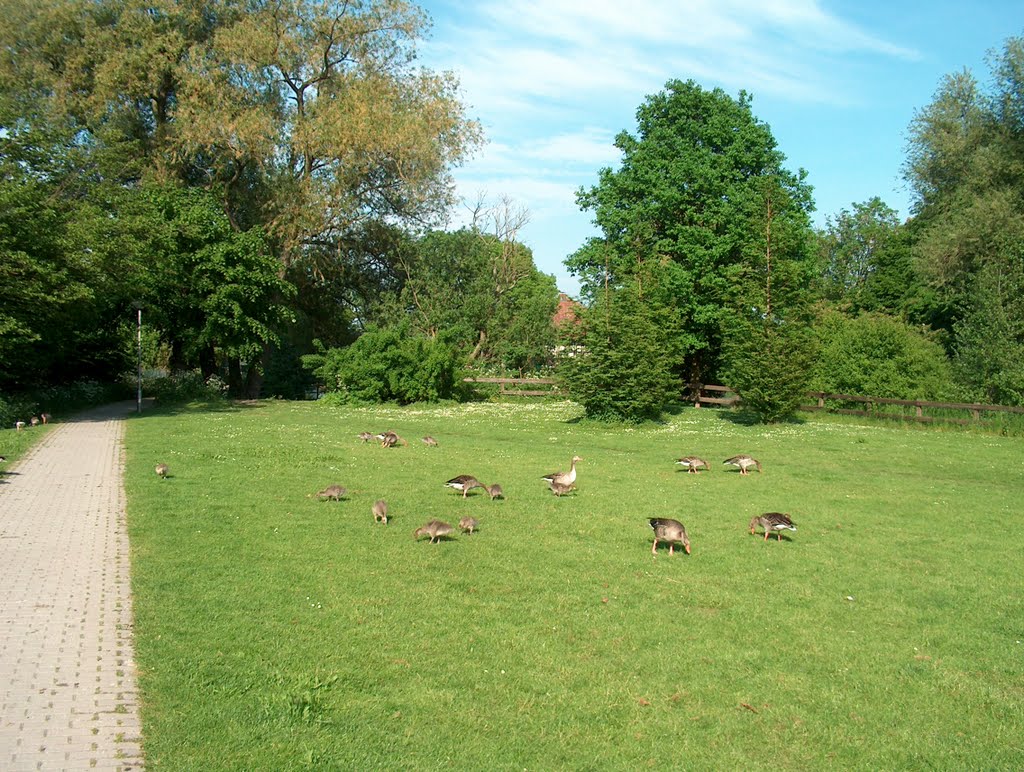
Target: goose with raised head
<point>693,464</point>
<point>564,478</point>
<point>772,522</point>
<point>435,529</point>
<point>668,530</point>
<point>464,483</point>
<point>744,462</point>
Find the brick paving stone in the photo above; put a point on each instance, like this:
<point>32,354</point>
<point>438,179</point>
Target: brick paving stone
<point>66,649</point>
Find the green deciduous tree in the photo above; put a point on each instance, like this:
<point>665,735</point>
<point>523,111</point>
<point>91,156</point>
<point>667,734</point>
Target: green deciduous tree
<point>964,165</point>
<point>675,217</point>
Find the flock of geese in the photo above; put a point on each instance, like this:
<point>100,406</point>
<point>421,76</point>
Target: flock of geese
<point>666,529</point>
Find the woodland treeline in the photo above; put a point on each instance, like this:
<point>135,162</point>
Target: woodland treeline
<point>270,183</point>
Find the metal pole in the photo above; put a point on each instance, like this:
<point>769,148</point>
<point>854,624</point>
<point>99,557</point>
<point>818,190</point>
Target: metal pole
<point>140,361</point>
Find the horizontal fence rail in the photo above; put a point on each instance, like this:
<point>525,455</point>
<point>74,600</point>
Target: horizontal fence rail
<point>723,395</point>
<point>508,386</point>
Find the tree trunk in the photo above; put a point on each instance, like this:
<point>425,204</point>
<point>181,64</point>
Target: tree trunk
<point>254,377</point>
<point>234,377</point>
<point>208,362</point>
<point>479,346</point>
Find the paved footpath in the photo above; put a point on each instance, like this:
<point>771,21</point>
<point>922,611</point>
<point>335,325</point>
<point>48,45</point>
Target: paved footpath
<point>68,697</point>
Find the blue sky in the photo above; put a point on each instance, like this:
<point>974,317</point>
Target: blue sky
<point>553,81</point>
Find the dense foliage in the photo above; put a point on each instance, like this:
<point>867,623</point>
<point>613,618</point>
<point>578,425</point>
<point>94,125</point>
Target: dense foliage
<point>299,141</point>
<point>617,368</point>
<point>879,356</point>
<point>389,365</point>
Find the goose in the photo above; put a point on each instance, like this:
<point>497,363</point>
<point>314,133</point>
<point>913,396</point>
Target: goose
<point>435,529</point>
<point>772,521</point>
<point>19,425</point>
<point>560,489</point>
<point>365,436</point>
<point>693,464</point>
<point>565,478</point>
<point>429,441</point>
<point>744,462</point>
<point>468,524</point>
<point>46,417</point>
<point>34,420</point>
<point>672,531</point>
<point>464,483</point>
<point>162,470</point>
<point>389,439</point>
<point>380,511</point>
<point>335,492</point>
<point>495,491</point>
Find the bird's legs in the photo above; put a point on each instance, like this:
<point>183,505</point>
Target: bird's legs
<point>654,547</point>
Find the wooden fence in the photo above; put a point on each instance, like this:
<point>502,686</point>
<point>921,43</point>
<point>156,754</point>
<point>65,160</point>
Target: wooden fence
<point>709,394</point>
<point>512,386</point>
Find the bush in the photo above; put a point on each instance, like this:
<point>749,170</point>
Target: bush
<point>879,356</point>
<point>768,364</point>
<point>621,371</point>
<point>58,400</point>
<point>389,365</point>
<point>185,386</point>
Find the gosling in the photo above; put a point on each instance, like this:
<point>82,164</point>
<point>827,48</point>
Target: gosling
<point>435,529</point>
<point>332,492</point>
<point>162,471</point>
<point>380,511</point>
<point>468,524</point>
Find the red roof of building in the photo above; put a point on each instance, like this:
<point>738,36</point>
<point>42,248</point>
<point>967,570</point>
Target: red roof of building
<point>567,311</point>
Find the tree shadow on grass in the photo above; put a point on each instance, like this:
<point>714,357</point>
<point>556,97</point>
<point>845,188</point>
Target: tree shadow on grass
<point>741,417</point>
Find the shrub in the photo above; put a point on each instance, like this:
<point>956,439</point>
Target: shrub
<point>621,371</point>
<point>185,386</point>
<point>879,356</point>
<point>768,363</point>
<point>389,365</point>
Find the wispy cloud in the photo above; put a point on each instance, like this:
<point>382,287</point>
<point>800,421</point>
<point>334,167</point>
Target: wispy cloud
<point>553,80</point>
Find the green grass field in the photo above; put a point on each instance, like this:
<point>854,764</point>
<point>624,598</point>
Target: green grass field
<point>275,631</point>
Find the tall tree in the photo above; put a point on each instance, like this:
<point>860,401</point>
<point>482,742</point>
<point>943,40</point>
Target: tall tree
<point>964,165</point>
<point>307,120</point>
<point>674,215</point>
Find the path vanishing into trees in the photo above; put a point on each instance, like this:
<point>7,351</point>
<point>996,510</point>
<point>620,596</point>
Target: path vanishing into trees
<point>68,697</point>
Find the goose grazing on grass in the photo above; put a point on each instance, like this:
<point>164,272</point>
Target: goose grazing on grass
<point>744,462</point>
<point>464,483</point>
<point>494,491</point>
<point>162,470</point>
<point>46,417</point>
<point>693,464</point>
<point>365,436</point>
<point>331,492</point>
<point>380,511</point>
<point>772,522</point>
<point>469,524</point>
<point>671,531</point>
<point>560,489</point>
<point>564,478</point>
<point>435,529</point>
<point>429,441</point>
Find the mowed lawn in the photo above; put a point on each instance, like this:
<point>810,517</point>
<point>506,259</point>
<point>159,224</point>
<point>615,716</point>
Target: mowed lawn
<point>275,631</point>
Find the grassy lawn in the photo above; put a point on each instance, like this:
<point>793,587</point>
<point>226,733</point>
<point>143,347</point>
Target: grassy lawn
<point>275,631</point>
